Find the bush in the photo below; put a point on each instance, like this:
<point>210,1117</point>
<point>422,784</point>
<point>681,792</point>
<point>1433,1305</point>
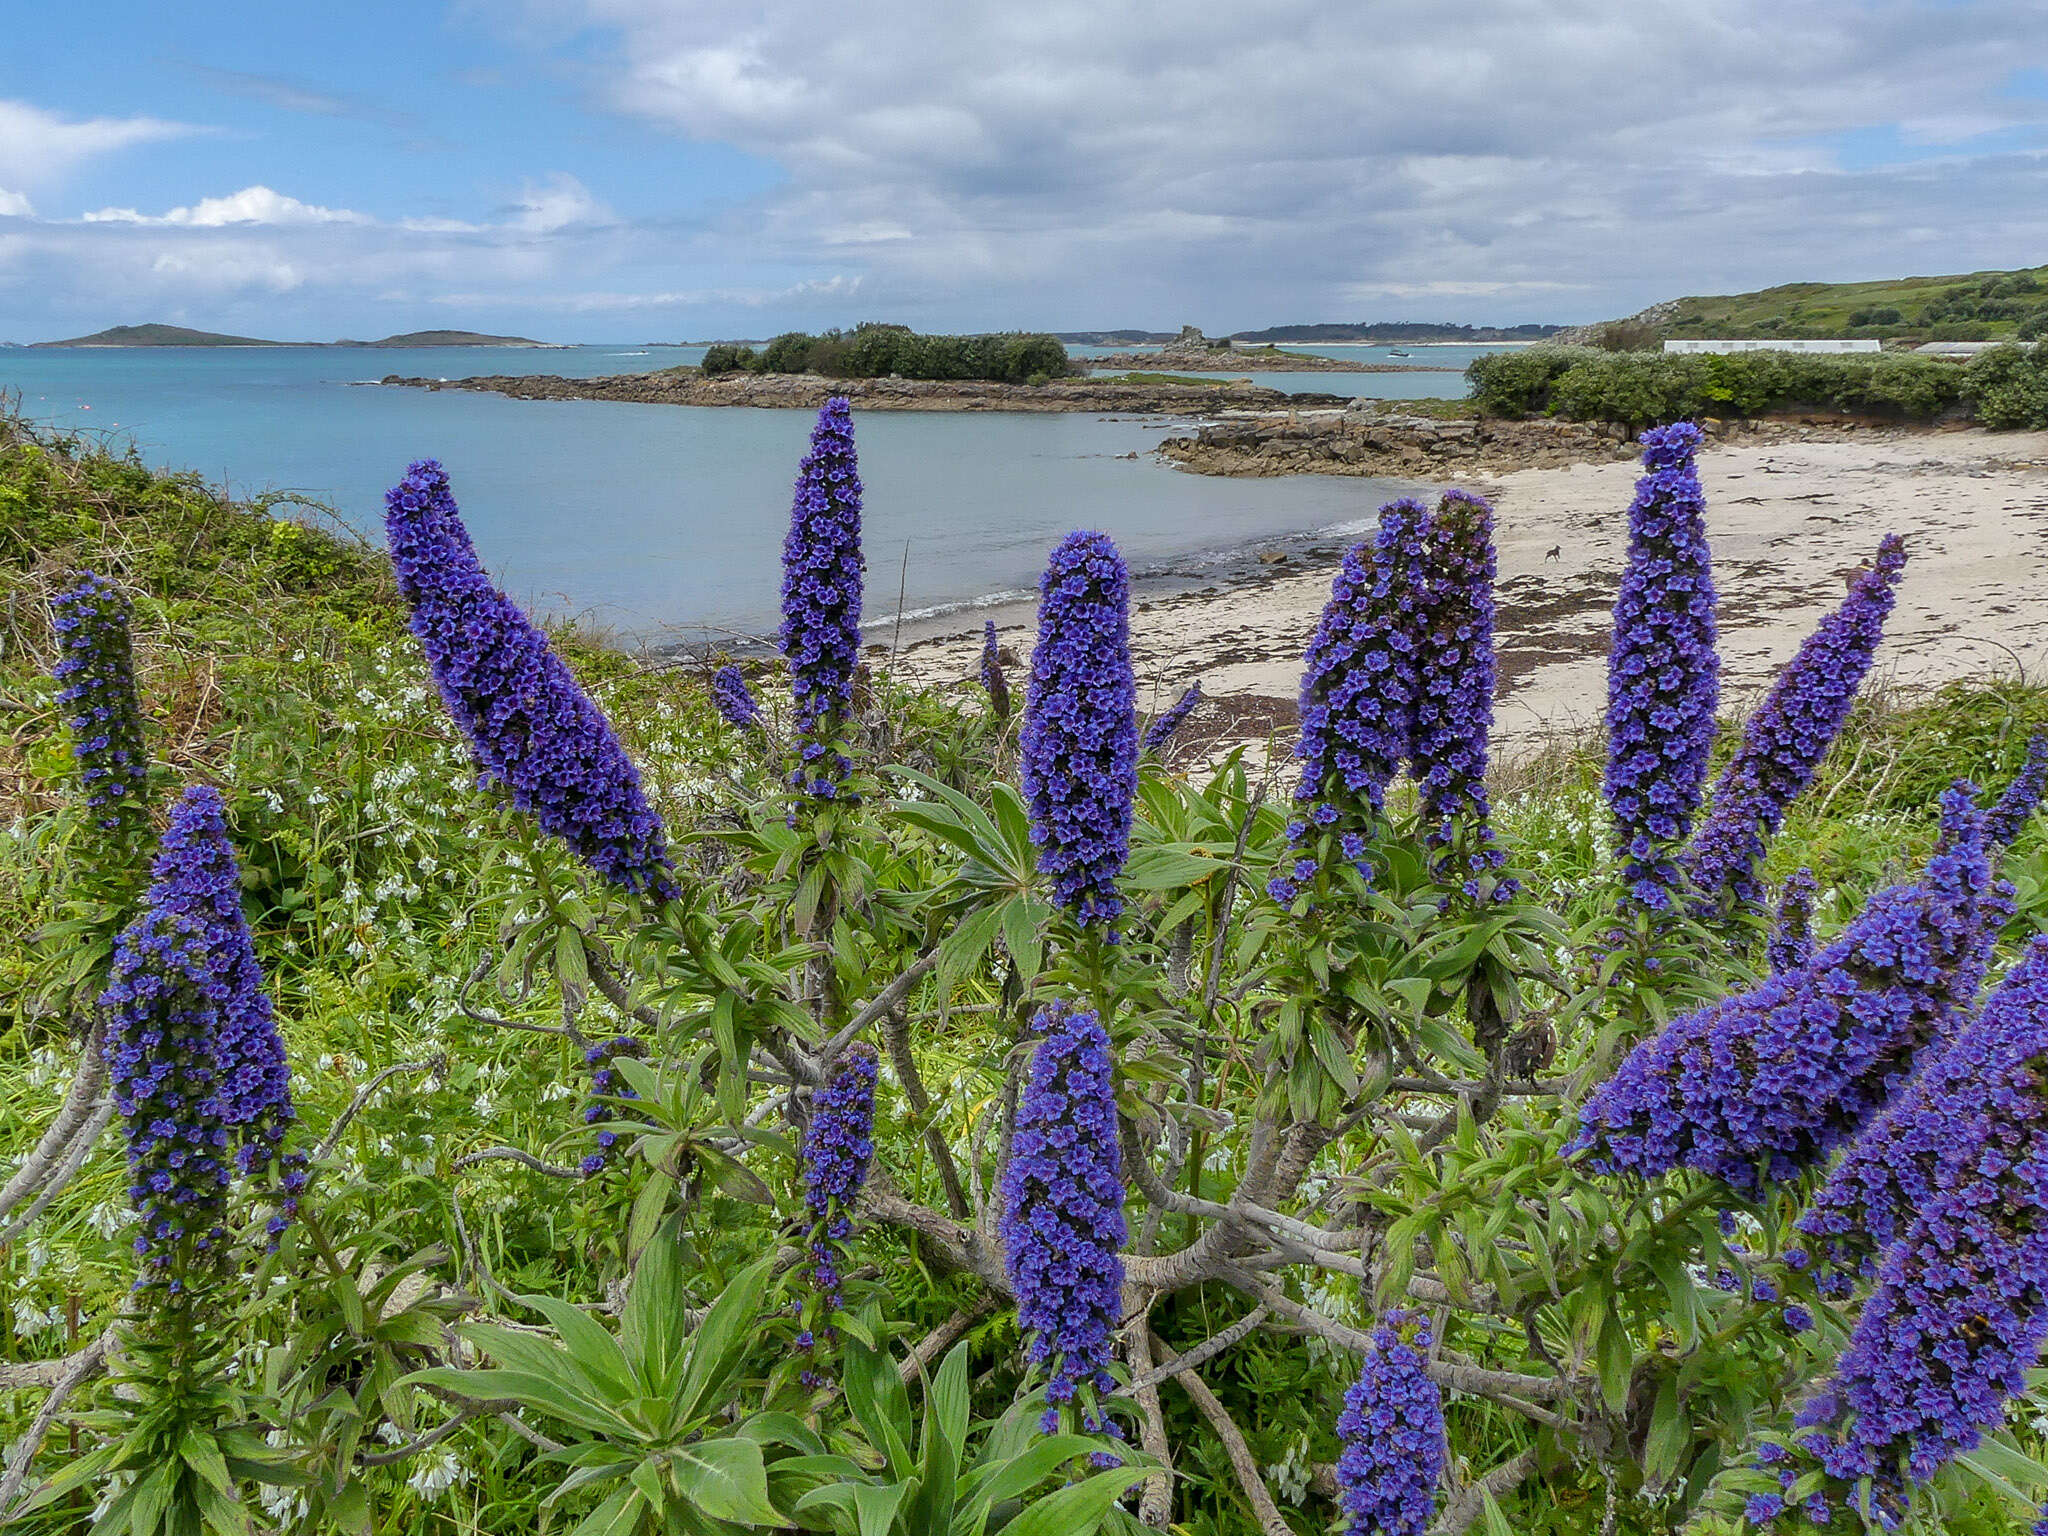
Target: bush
<point>727,357</point>
<point>874,351</point>
<point>2009,386</point>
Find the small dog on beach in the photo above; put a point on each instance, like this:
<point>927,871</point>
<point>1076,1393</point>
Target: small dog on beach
<point>1555,552</point>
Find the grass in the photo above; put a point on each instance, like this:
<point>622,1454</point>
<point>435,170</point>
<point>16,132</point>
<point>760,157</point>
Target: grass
<point>276,666</point>
<point>1985,306</point>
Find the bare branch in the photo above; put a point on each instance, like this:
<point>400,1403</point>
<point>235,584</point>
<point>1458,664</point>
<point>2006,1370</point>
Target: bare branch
<point>514,1155</point>
<point>363,1095</point>
<point>884,1001</point>
<point>1463,1512</point>
<point>78,1369</point>
<point>1203,1352</point>
<point>1271,1521</point>
<point>896,1035</point>
<point>79,1109</point>
<point>76,1152</point>
<point>1155,1506</point>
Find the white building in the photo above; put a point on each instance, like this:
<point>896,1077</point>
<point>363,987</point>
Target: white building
<point>1841,345</point>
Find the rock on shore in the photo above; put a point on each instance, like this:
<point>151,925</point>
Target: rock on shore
<point>686,386</point>
<point>1385,444</point>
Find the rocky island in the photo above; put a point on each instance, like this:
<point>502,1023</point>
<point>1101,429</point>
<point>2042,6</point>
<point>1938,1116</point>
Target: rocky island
<point>1193,352</point>
<point>689,386</point>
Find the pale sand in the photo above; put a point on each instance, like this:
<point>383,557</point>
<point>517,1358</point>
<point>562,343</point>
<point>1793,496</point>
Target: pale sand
<point>1786,519</point>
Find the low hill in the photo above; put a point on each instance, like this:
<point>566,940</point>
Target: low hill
<point>1397,330</point>
<point>1965,306</point>
<point>447,339</point>
<point>159,336</point>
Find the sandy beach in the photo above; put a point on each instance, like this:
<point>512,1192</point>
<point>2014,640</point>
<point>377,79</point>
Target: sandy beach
<point>1787,518</point>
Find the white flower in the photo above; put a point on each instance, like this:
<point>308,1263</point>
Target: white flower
<point>435,1477</point>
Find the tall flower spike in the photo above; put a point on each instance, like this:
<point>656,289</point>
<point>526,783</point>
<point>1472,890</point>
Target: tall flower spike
<point>1063,1207</point>
<point>1392,1429</point>
<point>1960,1311</point>
<point>1358,692</point>
<point>2022,796</point>
<point>1662,676</point>
<point>1170,719</point>
<point>1454,695</point>
<point>821,597</point>
<point>1792,941</point>
<point>606,1082</point>
<point>734,700</point>
<point>1789,734</point>
<point>530,725</point>
<point>198,1070</point>
<point>1757,1088</point>
<point>838,1147</point>
<point>1893,1169</point>
<point>1080,739</point>
<point>992,679</point>
<point>96,675</point>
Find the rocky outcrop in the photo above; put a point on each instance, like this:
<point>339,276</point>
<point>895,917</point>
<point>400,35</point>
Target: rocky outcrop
<point>1192,352</point>
<point>1383,443</point>
<point>791,391</point>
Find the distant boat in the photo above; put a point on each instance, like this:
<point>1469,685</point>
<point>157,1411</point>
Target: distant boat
<point>1396,352</point>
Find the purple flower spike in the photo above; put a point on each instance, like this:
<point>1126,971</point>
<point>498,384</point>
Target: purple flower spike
<point>1454,694</point>
<point>838,1146</point>
<point>1358,693</point>
<point>606,1082</point>
<point>1080,740</point>
<point>530,725</point>
<point>1392,1428</point>
<point>993,679</point>
<point>199,1072</point>
<point>734,700</point>
<point>1892,1169</point>
<point>96,671</point>
<point>1792,942</point>
<point>1789,734</point>
<point>1663,679</point>
<point>2022,797</point>
<point>1958,1315</point>
<point>1760,1087</point>
<point>1063,1207</point>
<point>821,597</point>
<point>1169,720</point>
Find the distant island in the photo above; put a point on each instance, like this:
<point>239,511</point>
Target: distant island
<point>184,336</point>
<point>1398,330</point>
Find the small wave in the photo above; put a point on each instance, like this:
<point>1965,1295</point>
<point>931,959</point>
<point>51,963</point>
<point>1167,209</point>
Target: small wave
<point>943,610</point>
<point>625,354</point>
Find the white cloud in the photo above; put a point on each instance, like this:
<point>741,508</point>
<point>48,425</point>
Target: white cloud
<point>251,205</point>
<point>13,205</point>
<point>39,148</point>
<point>556,203</point>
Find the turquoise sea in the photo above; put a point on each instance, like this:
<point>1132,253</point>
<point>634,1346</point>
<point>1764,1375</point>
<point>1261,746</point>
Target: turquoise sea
<point>664,523</point>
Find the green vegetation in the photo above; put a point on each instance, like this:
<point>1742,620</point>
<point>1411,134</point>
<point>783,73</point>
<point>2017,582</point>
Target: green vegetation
<point>445,339</point>
<point>1971,306</point>
<point>2004,387</point>
<point>874,351</point>
<point>418,938</point>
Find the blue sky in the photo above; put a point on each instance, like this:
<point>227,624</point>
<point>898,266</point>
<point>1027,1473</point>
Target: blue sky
<point>636,169</point>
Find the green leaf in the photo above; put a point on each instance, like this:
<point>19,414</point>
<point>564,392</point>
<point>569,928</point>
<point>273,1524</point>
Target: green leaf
<point>655,1323</point>
<point>725,1332</point>
<point>618,1515</point>
<point>875,1395</point>
<point>588,1343</point>
<point>727,1480</point>
<point>198,1450</point>
<point>1616,1353</point>
<point>1078,1508</point>
<point>1670,1435</point>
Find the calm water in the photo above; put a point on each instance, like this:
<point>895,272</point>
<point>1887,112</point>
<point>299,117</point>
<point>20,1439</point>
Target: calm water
<point>664,522</point>
<point>1446,378</point>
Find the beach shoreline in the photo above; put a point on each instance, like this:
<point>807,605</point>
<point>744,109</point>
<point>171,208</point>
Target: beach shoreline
<point>1790,512</point>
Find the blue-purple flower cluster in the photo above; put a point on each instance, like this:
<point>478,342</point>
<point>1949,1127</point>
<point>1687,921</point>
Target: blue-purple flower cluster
<point>1063,1210</point>
<point>1454,696</point>
<point>1392,1429</point>
<point>198,1069</point>
<point>530,725</point>
<point>993,680</point>
<point>1960,1310</point>
<point>1358,697</point>
<point>1080,739</point>
<point>606,1083</point>
<point>1791,943</point>
<point>821,597</point>
<point>1169,720</point>
<point>96,675</point>
<point>1789,734</point>
<point>838,1146</point>
<point>1663,679</point>
<point>1759,1087</point>
<point>2022,796</point>
<point>734,700</point>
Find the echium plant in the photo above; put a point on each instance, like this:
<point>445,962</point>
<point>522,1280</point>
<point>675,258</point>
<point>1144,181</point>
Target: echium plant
<point>1063,1214</point>
<point>1960,1310</point>
<point>1791,943</point>
<point>529,723</point>
<point>1168,721</point>
<point>606,1083</point>
<point>1080,739</point>
<point>198,1069</point>
<point>734,700</point>
<point>993,680</point>
<point>2022,796</point>
<point>1785,740</point>
<point>95,672</point>
<point>1763,1085</point>
<point>1358,700</point>
<point>1392,1433</point>
<point>837,1148</point>
<point>821,601</point>
<point>1663,679</point>
<point>1454,697</point>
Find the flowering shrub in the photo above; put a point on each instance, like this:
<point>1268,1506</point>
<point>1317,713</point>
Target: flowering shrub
<point>97,676</point>
<point>735,701</point>
<point>1267,1214</point>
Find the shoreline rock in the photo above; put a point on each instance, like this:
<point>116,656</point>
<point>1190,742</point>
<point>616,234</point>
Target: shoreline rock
<point>787,391</point>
